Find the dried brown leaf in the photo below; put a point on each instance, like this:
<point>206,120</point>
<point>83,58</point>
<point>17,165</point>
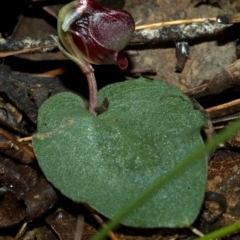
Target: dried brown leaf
<point>29,186</point>
<point>63,224</point>
<point>11,211</point>
<point>39,233</point>
<point>226,79</point>
<point>224,180</point>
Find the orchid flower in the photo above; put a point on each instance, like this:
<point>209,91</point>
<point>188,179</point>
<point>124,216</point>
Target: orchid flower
<point>93,34</point>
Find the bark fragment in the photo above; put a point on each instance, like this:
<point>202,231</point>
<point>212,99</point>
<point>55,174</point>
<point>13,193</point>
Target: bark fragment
<point>28,186</point>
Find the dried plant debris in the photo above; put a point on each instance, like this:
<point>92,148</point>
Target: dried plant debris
<point>39,93</point>
<point>215,206</point>
<point>214,3</point>
<point>207,55</point>
<point>14,46</point>
<point>234,141</point>
<point>11,147</point>
<point>11,211</point>
<point>226,79</point>
<point>14,152</point>
<point>200,58</point>
<point>178,32</point>
<point>224,110</point>
<point>65,225</point>
<point>27,92</point>
<point>28,186</point>
<point>10,116</point>
<point>39,233</point>
<point>182,52</point>
<point>17,93</point>
<point>223,184</point>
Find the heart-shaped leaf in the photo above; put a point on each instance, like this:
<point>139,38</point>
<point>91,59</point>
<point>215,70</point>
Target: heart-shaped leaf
<point>108,160</point>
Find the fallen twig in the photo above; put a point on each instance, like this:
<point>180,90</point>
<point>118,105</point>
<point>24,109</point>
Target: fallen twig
<point>179,32</point>
<point>29,154</point>
<point>150,33</point>
<point>14,46</point>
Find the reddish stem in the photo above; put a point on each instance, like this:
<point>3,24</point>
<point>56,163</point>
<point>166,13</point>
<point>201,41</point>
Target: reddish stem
<point>92,86</point>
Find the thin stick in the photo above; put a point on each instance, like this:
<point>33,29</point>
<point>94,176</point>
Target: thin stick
<point>6,145</point>
<point>103,224</point>
<point>227,118</point>
<point>14,46</point>
<point>25,139</point>
<point>223,106</point>
<point>26,50</point>
<point>55,72</point>
<point>50,12</point>
<point>218,127</point>
<point>100,221</point>
<point>21,146</point>
<point>196,231</point>
<point>21,231</point>
<point>79,227</point>
<point>177,22</point>
<point>177,31</point>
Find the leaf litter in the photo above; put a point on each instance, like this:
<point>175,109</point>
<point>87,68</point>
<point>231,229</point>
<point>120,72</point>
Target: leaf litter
<point>211,62</point>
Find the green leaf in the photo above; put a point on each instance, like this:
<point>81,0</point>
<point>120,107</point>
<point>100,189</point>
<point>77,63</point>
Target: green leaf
<point>108,160</point>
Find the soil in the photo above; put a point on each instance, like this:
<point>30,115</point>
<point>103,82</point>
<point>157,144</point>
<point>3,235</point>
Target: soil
<point>209,73</point>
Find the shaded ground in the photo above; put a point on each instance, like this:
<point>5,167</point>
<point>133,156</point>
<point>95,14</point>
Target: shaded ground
<point>211,74</point>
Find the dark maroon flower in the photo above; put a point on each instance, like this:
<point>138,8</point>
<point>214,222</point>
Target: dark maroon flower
<point>91,33</point>
<point>95,34</point>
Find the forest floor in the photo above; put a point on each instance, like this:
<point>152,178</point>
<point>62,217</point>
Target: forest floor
<point>209,72</point>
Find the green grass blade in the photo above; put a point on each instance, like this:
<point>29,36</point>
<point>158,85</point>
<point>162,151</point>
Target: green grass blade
<point>221,232</point>
<point>199,153</point>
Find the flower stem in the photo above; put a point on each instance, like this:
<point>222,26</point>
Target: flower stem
<point>92,86</point>
<point>87,69</point>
